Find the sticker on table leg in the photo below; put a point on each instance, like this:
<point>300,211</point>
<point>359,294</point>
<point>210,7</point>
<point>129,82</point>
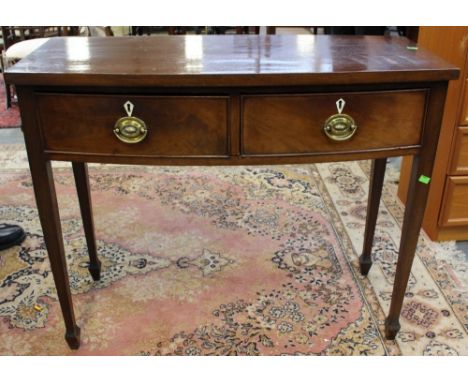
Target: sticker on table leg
<point>424,179</point>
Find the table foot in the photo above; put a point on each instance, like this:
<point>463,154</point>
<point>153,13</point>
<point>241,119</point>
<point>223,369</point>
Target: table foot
<point>365,263</point>
<point>73,338</point>
<point>392,327</point>
<point>95,270</point>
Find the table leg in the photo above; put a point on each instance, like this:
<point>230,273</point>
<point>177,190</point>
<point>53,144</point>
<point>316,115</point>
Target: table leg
<point>80,172</point>
<point>414,212</point>
<point>44,190</point>
<point>375,192</point>
<point>418,192</point>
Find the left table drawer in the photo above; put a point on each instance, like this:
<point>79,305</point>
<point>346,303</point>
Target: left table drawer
<point>173,125</point>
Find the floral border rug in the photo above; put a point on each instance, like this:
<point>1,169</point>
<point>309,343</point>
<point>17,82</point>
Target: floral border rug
<point>224,261</point>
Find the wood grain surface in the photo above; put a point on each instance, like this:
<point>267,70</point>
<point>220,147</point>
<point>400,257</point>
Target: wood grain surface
<point>238,60</point>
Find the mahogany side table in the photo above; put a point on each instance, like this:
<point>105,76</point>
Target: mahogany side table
<point>229,100</point>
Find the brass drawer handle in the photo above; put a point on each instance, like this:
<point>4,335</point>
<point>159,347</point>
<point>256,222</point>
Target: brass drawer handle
<point>130,129</point>
<point>340,127</point>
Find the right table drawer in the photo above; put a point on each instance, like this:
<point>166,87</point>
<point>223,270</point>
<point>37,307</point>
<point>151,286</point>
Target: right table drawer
<point>292,124</point>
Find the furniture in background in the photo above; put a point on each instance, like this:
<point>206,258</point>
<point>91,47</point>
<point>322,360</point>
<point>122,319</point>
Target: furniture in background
<point>248,30</point>
<point>272,29</point>
<point>181,30</point>
<point>148,30</point>
<point>373,100</point>
<point>98,31</point>
<point>409,32</point>
<point>31,38</point>
<point>446,216</point>
<point>337,30</point>
<point>19,41</point>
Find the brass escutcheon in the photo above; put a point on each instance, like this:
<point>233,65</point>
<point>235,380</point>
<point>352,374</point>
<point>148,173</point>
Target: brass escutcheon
<point>130,129</point>
<point>339,127</point>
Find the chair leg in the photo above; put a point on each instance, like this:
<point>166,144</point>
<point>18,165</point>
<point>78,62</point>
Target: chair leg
<point>3,64</point>
<point>8,95</point>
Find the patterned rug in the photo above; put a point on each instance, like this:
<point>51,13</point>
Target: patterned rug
<point>8,117</point>
<point>224,261</point>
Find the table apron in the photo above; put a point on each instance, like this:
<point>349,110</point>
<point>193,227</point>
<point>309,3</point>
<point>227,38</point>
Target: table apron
<point>231,160</point>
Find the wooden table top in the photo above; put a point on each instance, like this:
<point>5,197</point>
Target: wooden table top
<point>237,60</point>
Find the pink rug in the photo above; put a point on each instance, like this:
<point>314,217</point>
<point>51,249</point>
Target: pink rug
<point>216,261</point>
<point>8,117</point>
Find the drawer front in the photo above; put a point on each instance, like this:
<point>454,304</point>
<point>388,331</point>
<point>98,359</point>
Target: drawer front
<point>293,124</point>
<point>459,164</point>
<point>176,125</point>
<point>454,210</point>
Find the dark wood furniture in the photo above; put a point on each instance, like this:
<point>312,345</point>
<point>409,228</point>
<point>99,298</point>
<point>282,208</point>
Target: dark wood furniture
<point>446,217</point>
<point>229,100</point>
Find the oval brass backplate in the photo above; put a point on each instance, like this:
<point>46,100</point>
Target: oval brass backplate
<point>130,129</point>
<point>339,127</point>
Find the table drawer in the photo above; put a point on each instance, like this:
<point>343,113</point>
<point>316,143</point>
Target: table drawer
<point>293,124</point>
<point>175,125</point>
